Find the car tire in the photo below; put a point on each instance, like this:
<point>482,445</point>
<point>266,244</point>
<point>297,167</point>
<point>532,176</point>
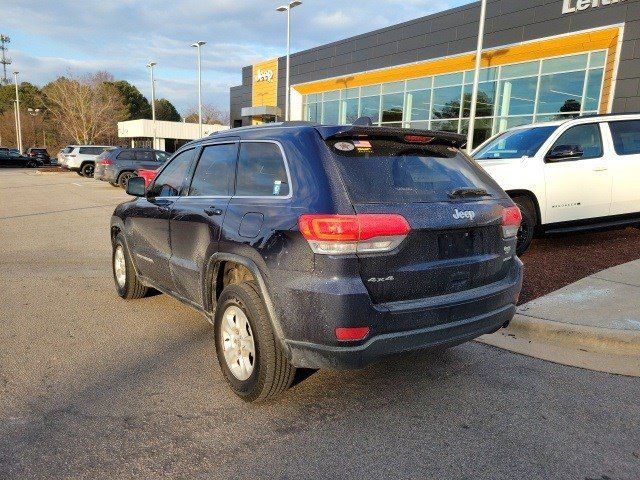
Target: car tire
<point>87,170</point>
<point>114,184</point>
<point>128,284</point>
<point>32,164</point>
<point>124,178</point>
<point>259,370</point>
<point>79,173</point>
<point>528,224</point>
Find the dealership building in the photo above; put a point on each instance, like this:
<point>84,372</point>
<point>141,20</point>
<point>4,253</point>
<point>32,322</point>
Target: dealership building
<point>542,60</point>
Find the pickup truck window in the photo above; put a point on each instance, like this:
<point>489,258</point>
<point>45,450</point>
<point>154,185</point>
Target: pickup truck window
<point>523,142</point>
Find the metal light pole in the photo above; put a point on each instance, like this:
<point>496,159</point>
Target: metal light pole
<point>198,45</point>
<point>150,65</point>
<point>34,114</point>
<point>287,8</point>
<point>476,77</point>
<point>18,125</point>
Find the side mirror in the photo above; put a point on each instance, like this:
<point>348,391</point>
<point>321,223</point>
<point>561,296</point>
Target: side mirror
<point>135,187</point>
<point>564,152</point>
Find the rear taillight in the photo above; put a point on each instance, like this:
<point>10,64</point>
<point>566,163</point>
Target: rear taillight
<point>362,233</point>
<point>351,334</point>
<point>511,218</point>
<point>106,162</point>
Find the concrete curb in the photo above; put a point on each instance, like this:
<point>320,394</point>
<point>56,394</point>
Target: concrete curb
<point>600,349</point>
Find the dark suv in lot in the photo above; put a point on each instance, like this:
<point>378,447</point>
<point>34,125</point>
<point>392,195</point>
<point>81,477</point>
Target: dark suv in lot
<point>118,165</point>
<point>39,153</point>
<point>322,246</point>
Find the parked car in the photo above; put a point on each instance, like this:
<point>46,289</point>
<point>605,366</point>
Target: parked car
<point>568,176</point>
<point>322,246</point>
<point>12,158</point>
<point>40,153</point>
<point>147,174</point>
<point>117,166</point>
<point>82,158</point>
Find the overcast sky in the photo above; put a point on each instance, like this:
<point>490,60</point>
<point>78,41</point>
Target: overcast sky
<point>51,37</point>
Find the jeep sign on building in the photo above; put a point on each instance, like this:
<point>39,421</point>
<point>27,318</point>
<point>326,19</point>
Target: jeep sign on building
<point>543,60</point>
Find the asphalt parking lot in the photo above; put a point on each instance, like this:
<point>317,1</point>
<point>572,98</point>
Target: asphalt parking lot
<point>92,386</point>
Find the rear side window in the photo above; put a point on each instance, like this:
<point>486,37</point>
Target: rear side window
<point>67,150</point>
<point>384,171</point>
<point>261,171</point>
<point>169,182</point>
<point>145,155</point>
<point>626,137</point>
<point>91,150</point>
<point>215,170</point>
<point>126,155</point>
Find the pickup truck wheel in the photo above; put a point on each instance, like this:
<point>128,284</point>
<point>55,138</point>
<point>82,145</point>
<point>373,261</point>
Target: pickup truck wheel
<point>527,226</point>
<point>128,285</point>
<point>124,178</point>
<point>87,170</point>
<point>251,359</point>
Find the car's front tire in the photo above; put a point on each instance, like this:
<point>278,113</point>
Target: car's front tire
<point>528,224</point>
<point>250,356</point>
<point>128,285</point>
<point>87,170</point>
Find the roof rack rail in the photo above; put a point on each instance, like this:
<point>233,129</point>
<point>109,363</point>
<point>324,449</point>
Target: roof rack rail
<point>592,115</point>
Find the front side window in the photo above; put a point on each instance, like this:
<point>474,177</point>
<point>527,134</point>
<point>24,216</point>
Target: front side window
<point>215,171</point>
<point>626,137</point>
<point>587,137</point>
<point>261,171</point>
<point>145,155</point>
<point>169,182</point>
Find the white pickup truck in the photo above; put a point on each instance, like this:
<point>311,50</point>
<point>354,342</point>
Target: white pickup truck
<point>580,174</point>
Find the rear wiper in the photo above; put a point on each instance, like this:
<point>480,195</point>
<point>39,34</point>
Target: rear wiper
<point>468,192</point>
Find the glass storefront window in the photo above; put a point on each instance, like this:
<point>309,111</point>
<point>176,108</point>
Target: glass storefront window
<point>508,96</point>
<point>520,70</point>
<point>392,107</point>
<point>594,89</point>
<point>561,92</point>
<point>482,131</point>
<point>418,105</point>
<point>446,102</point>
<point>562,64</point>
<point>517,96</point>
<point>486,99</point>
<point>331,112</point>
<point>370,107</point>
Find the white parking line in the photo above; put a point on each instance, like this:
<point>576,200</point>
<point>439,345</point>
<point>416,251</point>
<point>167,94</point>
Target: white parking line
<point>77,184</point>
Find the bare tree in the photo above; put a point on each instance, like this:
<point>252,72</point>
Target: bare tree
<point>86,108</point>
<point>210,114</point>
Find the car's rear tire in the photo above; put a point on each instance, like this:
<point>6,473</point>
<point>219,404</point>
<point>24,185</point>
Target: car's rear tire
<point>250,356</point>
<point>128,285</point>
<point>528,224</point>
<point>124,178</point>
<point>87,170</point>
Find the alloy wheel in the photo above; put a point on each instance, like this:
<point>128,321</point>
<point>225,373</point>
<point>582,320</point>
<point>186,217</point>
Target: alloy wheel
<point>238,343</point>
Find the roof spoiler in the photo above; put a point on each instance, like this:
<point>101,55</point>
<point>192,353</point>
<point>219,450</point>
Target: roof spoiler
<point>392,133</point>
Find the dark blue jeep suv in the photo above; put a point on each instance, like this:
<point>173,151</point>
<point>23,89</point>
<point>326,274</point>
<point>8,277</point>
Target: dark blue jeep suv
<point>322,246</point>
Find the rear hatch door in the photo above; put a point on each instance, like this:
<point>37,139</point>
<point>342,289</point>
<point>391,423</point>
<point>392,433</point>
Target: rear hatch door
<point>453,207</point>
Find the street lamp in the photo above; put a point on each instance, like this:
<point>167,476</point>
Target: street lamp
<point>287,8</point>
<point>34,113</point>
<point>476,77</point>
<point>150,66</point>
<point>18,125</point>
<point>198,45</point>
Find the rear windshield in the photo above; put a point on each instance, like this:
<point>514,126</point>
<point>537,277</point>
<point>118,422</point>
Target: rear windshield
<point>67,150</point>
<point>384,171</point>
<point>523,142</point>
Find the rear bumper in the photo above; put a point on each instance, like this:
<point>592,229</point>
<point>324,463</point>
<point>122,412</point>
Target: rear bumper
<point>312,355</point>
<point>433,322</point>
<point>105,174</point>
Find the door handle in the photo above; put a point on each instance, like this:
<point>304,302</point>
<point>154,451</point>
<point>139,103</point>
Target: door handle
<point>600,169</point>
<point>212,210</point>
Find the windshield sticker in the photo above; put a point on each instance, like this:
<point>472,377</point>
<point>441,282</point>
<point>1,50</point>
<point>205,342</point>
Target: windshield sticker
<point>344,146</point>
